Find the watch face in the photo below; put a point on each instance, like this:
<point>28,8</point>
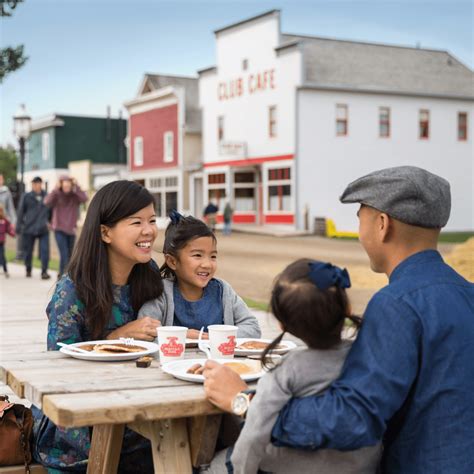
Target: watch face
<point>240,404</point>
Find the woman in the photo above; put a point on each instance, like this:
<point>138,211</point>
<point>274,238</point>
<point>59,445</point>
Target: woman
<point>110,276</point>
<point>64,201</point>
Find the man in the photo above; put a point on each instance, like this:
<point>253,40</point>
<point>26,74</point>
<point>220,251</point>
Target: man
<point>7,201</point>
<point>210,215</point>
<point>409,377</point>
<point>33,221</point>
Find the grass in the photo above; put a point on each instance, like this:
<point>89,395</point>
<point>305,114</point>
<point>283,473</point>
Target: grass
<point>445,237</point>
<point>260,305</point>
<point>53,264</point>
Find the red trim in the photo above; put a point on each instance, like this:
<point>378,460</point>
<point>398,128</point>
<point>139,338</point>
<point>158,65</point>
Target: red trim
<point>249,161</point>
<point>280,219</point>
<point>244,218</point>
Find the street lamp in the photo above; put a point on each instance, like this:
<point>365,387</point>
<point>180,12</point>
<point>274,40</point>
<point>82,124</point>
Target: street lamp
<point>21,130</point>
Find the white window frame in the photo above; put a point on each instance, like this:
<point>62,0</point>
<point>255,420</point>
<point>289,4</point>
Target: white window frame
<point>168,147</point>
<point>45,146</point>
<point>138,151</point>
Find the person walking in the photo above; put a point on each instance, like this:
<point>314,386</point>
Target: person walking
<point>228,213</point>
<point>210,215</point>
<point>6,201</point>
<point>5,228</point>
<point>32,223</point>
<point>64,202</point>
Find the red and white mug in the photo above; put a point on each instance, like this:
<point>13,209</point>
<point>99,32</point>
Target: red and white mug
<point>171,342</point>
<point>222,340</point>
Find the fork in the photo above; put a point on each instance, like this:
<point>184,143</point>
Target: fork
<point>72,348</point>
<point>128,341</point>
<point>202,346</point>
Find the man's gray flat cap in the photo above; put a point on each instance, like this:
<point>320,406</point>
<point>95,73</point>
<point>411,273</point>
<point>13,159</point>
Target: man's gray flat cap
<point>406,193</point>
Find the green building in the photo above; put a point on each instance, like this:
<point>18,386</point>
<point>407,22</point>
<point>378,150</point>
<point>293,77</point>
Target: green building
<point>58,140</point>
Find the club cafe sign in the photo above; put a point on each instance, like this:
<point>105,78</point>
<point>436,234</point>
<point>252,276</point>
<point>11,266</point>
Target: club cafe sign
<point>253,83</point>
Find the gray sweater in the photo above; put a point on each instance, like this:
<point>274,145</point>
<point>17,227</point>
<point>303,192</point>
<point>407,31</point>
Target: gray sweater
<point>300,374</point>
<point>236,312</point>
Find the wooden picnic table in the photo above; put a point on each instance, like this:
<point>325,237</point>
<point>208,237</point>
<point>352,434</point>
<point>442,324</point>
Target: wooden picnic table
<point>173,414</point>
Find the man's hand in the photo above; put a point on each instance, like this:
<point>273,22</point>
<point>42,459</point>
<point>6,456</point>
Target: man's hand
<point>194,334</point>
<point>143,329</point>
<point>222,384</point>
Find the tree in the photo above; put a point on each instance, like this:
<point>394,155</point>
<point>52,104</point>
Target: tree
<point>11,59</point>
<point>8,164</point>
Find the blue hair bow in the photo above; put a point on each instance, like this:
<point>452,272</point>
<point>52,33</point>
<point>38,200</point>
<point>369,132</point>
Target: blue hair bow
<point>325,275</point>
<point>175,216</point>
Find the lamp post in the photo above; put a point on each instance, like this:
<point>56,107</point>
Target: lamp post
<point>21,130</point>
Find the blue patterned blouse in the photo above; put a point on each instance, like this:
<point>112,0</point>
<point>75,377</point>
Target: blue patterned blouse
<point>62,449</point>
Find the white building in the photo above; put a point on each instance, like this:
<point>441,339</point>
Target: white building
<point>289,120</point>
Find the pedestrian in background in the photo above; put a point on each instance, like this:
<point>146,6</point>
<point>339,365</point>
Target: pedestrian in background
<point>210,215</point>
<point>228,213</point>
<point>5,228</point>
<point>32,223</point>
<point>6,201</point>
<point>64,202</point>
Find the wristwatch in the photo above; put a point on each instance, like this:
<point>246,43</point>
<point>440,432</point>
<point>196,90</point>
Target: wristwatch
<point>241,402</point>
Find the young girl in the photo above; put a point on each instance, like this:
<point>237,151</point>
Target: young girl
<point>309,300</point>
<point>5,228</point>
<point>109,277</point>
<point>192,297</point>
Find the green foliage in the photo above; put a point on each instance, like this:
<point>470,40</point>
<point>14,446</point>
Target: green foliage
<point>8,164</point>
<point>53,263</point>
<point>11,59</point>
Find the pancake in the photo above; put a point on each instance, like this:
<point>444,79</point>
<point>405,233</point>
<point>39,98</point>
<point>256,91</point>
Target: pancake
<point>257,345</point>
<point>240,368</point>
<point>117,348</point>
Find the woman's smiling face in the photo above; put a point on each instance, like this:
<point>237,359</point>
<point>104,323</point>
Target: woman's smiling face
<point>131,239</point>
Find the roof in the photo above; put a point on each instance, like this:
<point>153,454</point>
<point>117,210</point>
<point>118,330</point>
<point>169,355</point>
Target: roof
<point>341,64</point>
<point>247,20</point>
<point>191,87</point>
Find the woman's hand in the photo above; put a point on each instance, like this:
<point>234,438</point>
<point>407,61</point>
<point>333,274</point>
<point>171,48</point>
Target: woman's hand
<point>143,329</point>
<point>222,384</point>
<point>194,334</point>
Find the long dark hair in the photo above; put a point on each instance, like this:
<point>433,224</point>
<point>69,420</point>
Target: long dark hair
<point>89,265</point>
<point>179,232</point>
<point>315,316</point>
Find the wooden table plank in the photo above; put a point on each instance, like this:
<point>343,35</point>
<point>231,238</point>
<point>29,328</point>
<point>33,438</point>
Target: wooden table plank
<point>106,445</point>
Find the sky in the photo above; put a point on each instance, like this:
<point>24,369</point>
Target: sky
<point>87,54</point>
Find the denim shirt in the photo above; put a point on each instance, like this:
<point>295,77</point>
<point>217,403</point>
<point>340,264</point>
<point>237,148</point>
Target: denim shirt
<point>408,379</point>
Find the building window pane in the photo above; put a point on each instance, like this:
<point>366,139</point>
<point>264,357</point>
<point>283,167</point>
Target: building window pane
<point>138,151</point>
<point>272,121</point>
<point>171,199</point>
<point>462,126</point>
<point>244,199</point>
<point>278,174</point>
<point>424,123</point>
<point>384,122</point>
<point>168,144</point>
<point>45,146</point>
<point>279,198</point>
<point>245,64</point>
<point>171,181</point>
<point>218,178</point>
<point>220,128</point>
<point>244,177</point>
<point>158,206</point>
<point>217,196</point>
<point>341,119</point>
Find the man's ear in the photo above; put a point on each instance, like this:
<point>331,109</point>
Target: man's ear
<point>385,226</point>
<point>104,233</point>
<point>170,260</point>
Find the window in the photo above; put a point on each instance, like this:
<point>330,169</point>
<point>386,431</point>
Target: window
<point>220,128</point>
<point>279,189</point>
<point>138,151</point>
<point>245,191</point>
<point>158,207</point>
<point>384,122</point>
<point>165,191</point>
<point>216,178</point>
<point>272,121</point>
<point>245,64</point>
<point>45,146</point>
<point>341,120</point>
<point>168,145</point>
<point>171,199</point>
<point>424,123</point>
<point>171,181</point>
<point>462,126</point>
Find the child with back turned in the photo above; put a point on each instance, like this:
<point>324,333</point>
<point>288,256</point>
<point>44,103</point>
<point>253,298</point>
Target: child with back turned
<point>192,296</point>
<point>309,301</point>
<point>5,228</point>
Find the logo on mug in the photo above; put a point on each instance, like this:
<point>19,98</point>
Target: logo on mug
<point>172,348</point>
<point>227,348</point>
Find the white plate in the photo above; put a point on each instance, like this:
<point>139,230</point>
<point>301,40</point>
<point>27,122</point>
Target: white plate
<point>178,369</point>
<point>288,346</point>
<point>148,348</point>
<point>193,342</point>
